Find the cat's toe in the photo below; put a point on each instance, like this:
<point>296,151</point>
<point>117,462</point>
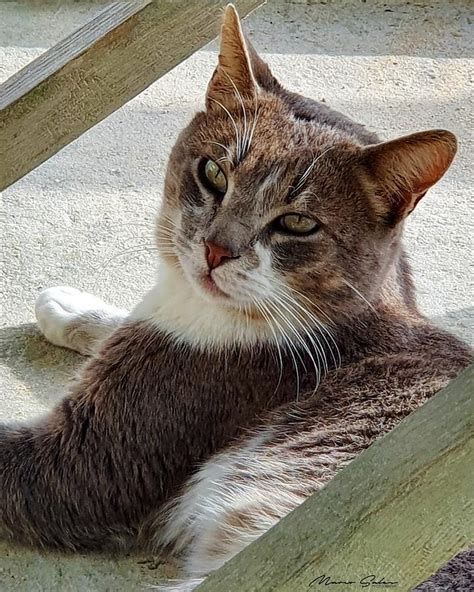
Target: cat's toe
<point>57,310</point>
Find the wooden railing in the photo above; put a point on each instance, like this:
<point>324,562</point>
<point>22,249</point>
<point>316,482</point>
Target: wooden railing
<point>96,70</point>
<point>397,513</point>
<point>402,508</point>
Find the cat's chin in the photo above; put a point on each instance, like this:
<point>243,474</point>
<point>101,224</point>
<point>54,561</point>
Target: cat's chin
<point>210,287</point>
<point>209,291</point>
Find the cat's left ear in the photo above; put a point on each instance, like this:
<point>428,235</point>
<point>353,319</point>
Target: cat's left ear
<point>233,75</point>
<point>404,169</point>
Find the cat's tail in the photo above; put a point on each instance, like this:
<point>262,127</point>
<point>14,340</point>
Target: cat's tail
<point>28,462</point>
<point>19,469</point>
<point>47,498</point>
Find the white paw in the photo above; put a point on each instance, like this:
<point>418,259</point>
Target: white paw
<point>58,309</point>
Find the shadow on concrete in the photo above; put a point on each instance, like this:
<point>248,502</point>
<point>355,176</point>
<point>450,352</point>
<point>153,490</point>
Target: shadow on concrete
<point>375,27</point>
<point>23,569</point>
<point>43,369</point>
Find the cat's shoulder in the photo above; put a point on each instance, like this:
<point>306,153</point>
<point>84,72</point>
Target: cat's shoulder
<point>412,372</point>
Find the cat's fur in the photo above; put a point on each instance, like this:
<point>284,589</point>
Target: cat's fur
<point>207,414</point>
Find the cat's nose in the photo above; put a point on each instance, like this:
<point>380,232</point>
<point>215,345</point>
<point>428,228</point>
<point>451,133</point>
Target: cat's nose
<point>217,254</point>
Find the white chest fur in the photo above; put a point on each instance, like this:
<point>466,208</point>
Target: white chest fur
<point>176,308</point>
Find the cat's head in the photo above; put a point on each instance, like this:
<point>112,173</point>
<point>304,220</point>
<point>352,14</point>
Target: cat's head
<point>275,203</point>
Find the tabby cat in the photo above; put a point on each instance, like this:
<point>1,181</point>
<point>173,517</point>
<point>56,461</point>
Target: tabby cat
<point>281,339</point>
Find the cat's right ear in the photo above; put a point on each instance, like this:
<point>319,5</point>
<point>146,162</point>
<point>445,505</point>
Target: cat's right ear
<point>233,75</point>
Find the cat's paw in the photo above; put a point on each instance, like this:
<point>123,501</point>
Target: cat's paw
<point>66,317</point>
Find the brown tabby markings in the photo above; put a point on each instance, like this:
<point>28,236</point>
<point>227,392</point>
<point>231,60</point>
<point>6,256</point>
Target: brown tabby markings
<point>150,408</point>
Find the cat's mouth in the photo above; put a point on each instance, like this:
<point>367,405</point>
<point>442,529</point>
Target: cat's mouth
<point>205,284</point>
<point>228,289</point>
<point>209,285</point>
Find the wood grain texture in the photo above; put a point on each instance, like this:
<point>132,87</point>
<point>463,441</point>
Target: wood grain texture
<point>399,511</point>
<point>96,70</point>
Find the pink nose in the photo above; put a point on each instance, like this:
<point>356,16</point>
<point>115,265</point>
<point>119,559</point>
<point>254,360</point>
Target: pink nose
<point>216,254</point>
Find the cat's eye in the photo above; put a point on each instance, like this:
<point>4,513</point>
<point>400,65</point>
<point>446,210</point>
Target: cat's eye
<point>297,224</point>
<point>213,177</point>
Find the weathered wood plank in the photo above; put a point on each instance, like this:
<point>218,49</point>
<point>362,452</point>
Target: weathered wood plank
<point>66,50</point>
<point>96,70</point>
<point>399,511</point>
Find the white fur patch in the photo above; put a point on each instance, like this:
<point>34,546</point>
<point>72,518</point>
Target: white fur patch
<point>176,308</point>
<point>207,523</point>
<point>62,311</point>
<point>270,182</point>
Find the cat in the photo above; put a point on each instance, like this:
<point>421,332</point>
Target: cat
<point>281,339</point>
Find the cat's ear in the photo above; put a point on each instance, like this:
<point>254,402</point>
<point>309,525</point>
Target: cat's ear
<point>261,71</point>
<point>233,75</point>
<point>404,169</point>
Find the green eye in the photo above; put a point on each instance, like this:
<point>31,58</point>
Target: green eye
<point>297,224</point>
<point>214,178</point>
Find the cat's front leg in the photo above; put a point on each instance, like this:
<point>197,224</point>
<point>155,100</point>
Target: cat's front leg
<point>77,320</point>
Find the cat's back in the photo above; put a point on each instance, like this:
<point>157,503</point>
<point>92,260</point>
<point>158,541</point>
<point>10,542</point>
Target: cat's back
<point>407,374</point>
<point>366,398</point>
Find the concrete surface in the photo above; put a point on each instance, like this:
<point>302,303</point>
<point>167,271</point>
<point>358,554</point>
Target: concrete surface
<point>84,217</point>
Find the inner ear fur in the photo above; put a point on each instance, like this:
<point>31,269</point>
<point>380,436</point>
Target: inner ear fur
<point>233,74</point>
<point>403,170</point>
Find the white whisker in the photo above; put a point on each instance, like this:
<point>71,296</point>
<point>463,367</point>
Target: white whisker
<point>307,172</point>
<point>223,159</point>
<point>303,314</point>
<point>255,118</point>
<point>228,151</point>
<point>277,343</point>
<point>244,113</point>
<point>237,133</point>
<point>361,296</point>
<point>291,349</point>
<point>323,329</point>
<point>303,343</point>
<point>244,139</point>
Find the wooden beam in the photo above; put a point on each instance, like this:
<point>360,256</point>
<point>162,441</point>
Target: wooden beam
<point>96,70</point>
<point>398,512</point>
